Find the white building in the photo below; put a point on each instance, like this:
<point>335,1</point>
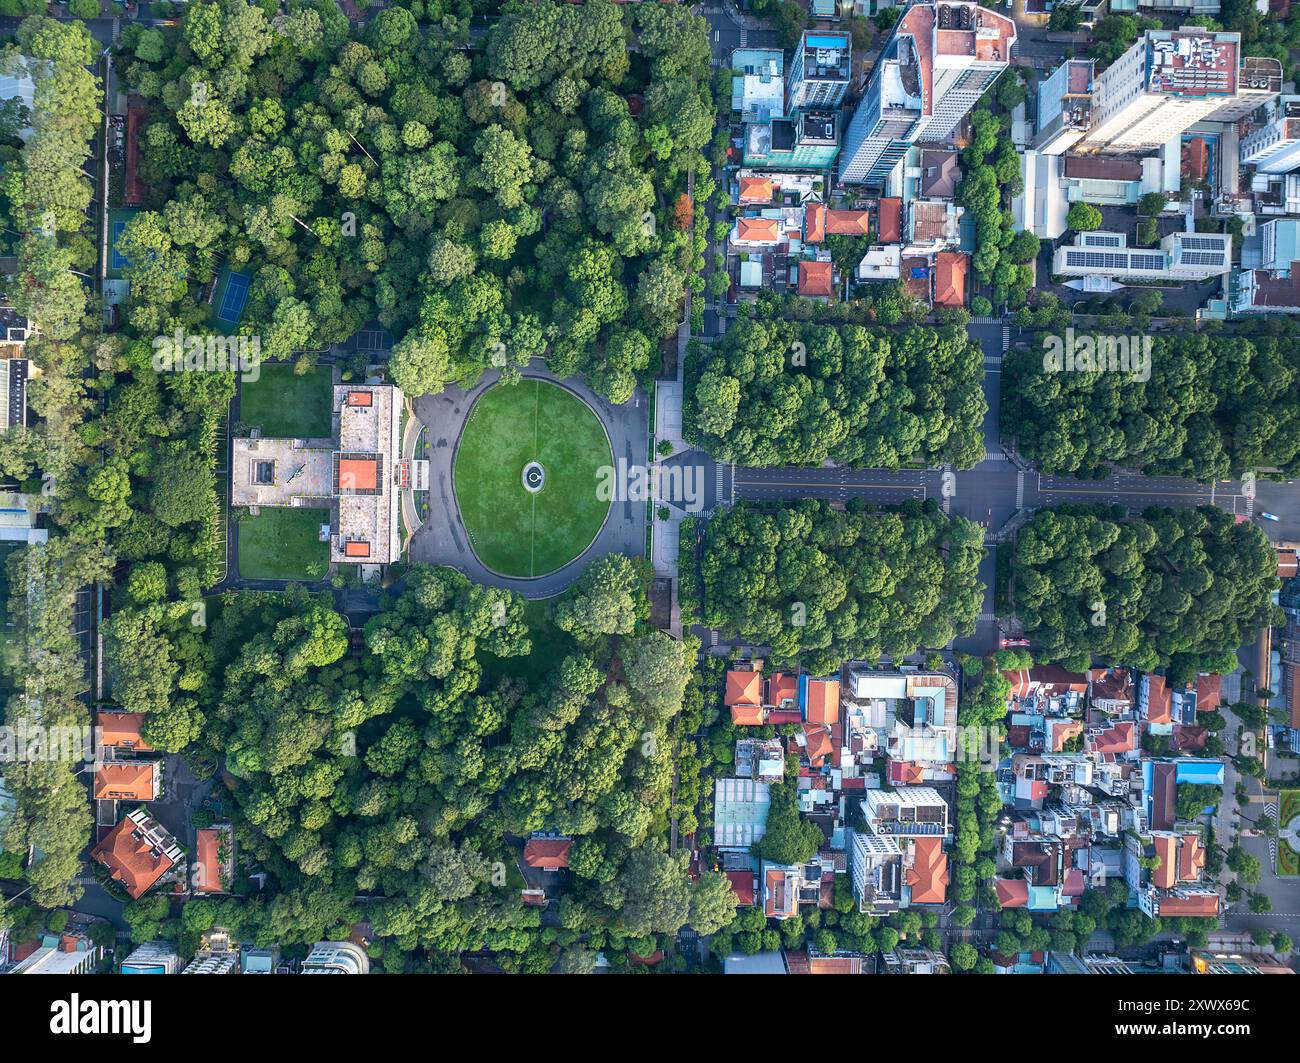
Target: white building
<point>359,474</point>
<point>336,957</point>
<point>758,91</point>
<point>1170,80</point>
<point>820,71</point>
<point>1180,257</point>
<point>1274,146</point>
<point>939,61</point>
<point>156,957</point>
<point>65,953</point>
<point>881,263</point>
<point>1064,107</point>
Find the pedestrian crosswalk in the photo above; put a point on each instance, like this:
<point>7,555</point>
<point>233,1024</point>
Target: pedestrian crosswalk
<point>985,320</point>
<point>1006,337</point>
<point>713,636</point>
<point>1020,489</point>
<point>744,38</point>
<point>719,473</point>
<point>995,455</point>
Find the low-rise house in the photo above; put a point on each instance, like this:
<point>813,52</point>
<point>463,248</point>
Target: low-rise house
<point>760,758</point>
<point>933,225</point>
<point>915,961</point>
<point>547,852</point>
<point>951,269</point>
<point>1110,691</point>
<point>128,780</point>
<point>120,732</point>
<point>816,280</point>
<point>71,952</point>
<point>138,852</point>
<point>744,696</point>
<point>1047,689</point>
<point>890,223</point>
<point>883,262</point>
<point>214,860</point>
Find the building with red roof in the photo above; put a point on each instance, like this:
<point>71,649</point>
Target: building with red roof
<point>814,223</point>
<point>891,220</point>
<point>848,222</point>
<point>138,852</point>
<point>816,280</point>
<point>950,271</point>
<point>548,854</point>
<point>928,876</point>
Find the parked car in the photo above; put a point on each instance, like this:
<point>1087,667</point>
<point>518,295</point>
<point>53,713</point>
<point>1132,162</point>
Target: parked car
<point>1013,643</point>
<point>1270,516</point>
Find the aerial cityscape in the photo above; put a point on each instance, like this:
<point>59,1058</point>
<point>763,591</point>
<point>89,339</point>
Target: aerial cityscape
<point>613,487</point>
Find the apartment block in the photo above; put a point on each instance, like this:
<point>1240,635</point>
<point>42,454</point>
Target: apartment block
<point>1273,146</point>
<point>1170,80</point>
<point>820,71</point>
<point>940,59</point>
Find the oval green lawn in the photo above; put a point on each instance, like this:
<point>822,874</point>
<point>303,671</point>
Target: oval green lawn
<point>513,532</point>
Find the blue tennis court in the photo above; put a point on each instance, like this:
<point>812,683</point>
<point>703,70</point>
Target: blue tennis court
<point>119,259</point>
<point>234,298</point>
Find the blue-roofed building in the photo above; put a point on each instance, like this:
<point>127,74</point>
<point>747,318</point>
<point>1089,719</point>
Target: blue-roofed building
<point>1199,772</point>
<point>1280,244</point>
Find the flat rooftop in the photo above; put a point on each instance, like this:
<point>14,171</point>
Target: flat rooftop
<point>357,474</point>
<point>1193,64</point>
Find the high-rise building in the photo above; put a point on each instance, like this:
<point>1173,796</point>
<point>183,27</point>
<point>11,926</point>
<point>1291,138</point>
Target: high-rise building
<point>1170,80</point>
<point>336,957</point>
<point>1274,145</point>
<point>939,61</point>
<point>820,71</point>
<point>1064,107</point>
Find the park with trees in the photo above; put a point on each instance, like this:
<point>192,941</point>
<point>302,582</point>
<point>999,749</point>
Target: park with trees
<point>824,585</point>
<point>777,392</point>
<point>1214,407</point>
<point>1178,589</point>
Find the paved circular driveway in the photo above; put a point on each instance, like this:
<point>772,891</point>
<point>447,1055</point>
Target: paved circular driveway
<point>441,539</point>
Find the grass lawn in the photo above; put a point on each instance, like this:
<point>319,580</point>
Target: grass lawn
<point>283,543</point>
<point>1288,860</point>
<point>513,532</point>
<point>287,406</point>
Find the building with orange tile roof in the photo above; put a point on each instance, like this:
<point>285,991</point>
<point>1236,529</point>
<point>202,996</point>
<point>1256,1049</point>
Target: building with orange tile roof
<point>1209,692</point>
<point>214,859</point>
<point>816,280</point>
<point>815,223</point>
<point>1288,563</point>
<point>818,744</point>
<point>121,730</point>
<point>928,876</point>
<point>1011,892</point>
<point>822,701</point>
<point>756,232</point>
<point>755,190</point>
<point>548,854</point>
<point>891,220</point>
<point>1155,701</point>
<point>848,223</point>
<point>744,696</point>
<point>950,271</point>
<point>138,852</point>
<point>782,690</point>
<point>128,780</point>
